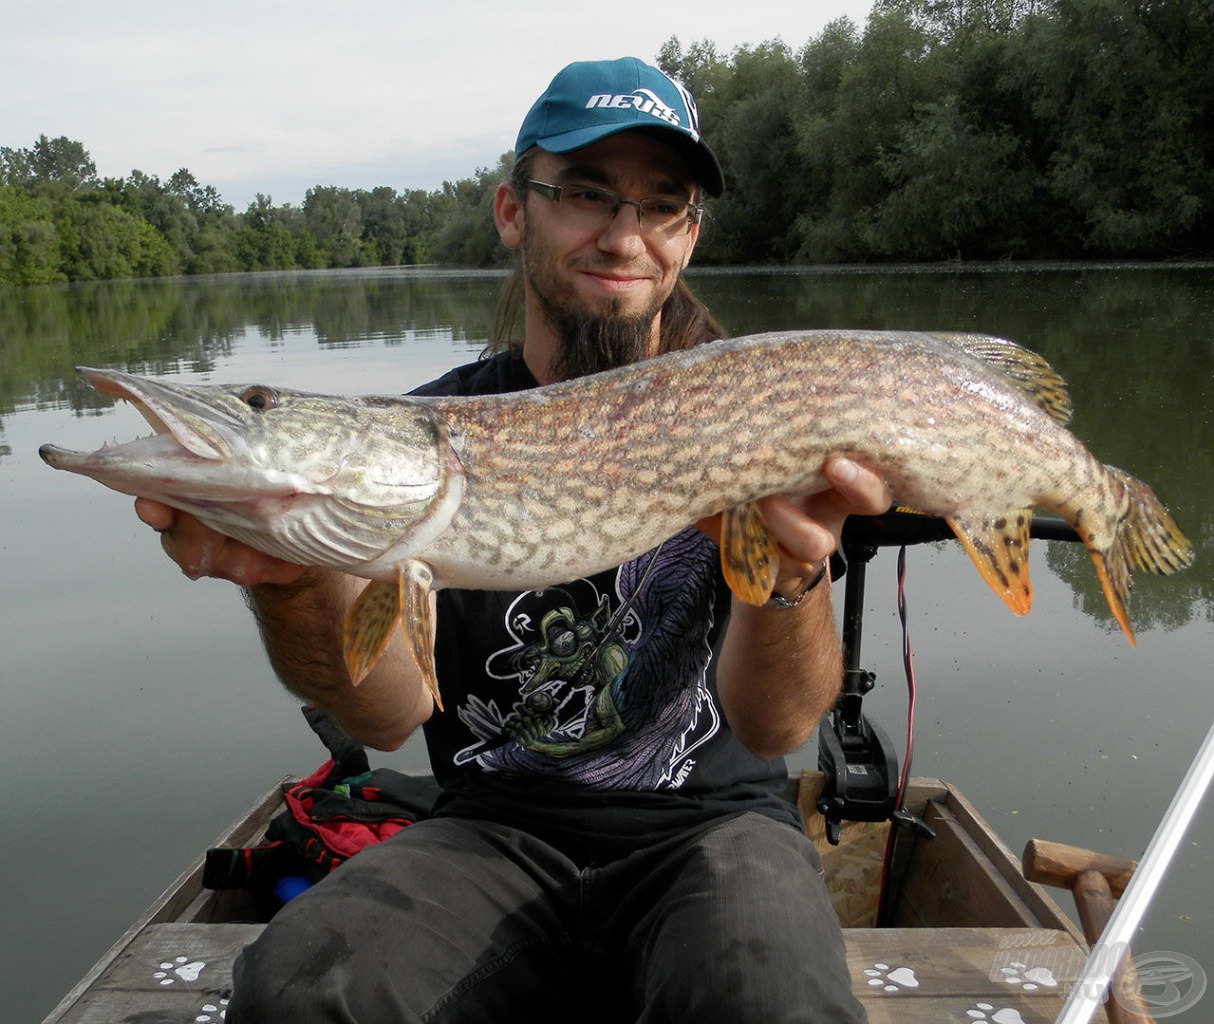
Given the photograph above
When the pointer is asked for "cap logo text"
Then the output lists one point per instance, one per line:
(644, 100)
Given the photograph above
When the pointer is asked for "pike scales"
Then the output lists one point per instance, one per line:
(538, 487)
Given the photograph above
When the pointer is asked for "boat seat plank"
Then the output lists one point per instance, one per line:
(963, 974)
(169, 973)
(183, 972)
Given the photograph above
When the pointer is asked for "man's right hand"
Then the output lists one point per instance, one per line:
(200, 551)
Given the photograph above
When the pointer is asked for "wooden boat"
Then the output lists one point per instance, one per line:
(969, 939)
(964, 936)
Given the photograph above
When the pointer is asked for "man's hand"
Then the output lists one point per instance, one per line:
(199, 551)
(780, 669)
(300, 615)
(809, 528)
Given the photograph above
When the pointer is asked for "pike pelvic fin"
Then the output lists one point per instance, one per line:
(1147, 539)
(750, 556)
(999, 548)
(382, 605)
(416, 582)
(1021, 368)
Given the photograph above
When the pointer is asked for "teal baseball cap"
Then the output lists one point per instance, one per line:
(591, 100)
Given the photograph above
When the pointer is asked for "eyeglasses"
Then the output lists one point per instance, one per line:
(655, 215)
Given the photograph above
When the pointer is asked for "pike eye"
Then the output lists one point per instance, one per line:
(260, 398)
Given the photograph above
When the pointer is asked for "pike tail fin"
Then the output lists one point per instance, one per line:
(999, 548)
(1147, 540)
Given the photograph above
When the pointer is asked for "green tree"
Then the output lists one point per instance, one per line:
(957, 190)
(263, 241)
(29, 252)
(759, 137)
(463, 213)
(382, 217)
(894, 70)
(98, 241)
(1120, 92)
(333, 217)
(60, 159)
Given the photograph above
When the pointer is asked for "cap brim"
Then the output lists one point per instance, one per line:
(700, 159)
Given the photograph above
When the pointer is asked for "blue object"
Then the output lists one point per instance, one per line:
(290, 886)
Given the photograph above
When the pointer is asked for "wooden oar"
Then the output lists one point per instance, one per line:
(1098, 971)
(1095, 880)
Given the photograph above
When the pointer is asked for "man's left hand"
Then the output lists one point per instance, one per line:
(809, 527)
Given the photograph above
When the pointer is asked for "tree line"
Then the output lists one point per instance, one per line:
(967, 129)
(941, 130)
(60, 221)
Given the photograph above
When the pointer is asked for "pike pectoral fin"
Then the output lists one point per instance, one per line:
(750, 556)
(369, 624)
(377, 611)
(999, 548)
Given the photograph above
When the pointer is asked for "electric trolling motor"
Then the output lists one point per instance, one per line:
(856, 755)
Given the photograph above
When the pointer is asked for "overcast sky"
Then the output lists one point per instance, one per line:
(275, 97)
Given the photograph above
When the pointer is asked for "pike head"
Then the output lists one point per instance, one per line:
(354, 484)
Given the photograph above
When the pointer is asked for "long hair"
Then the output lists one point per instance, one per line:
(686, 321)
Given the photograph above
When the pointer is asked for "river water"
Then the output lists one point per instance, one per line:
(139, 714)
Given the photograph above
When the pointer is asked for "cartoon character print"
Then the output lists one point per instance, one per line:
(608, 690)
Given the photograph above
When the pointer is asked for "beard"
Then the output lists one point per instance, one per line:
(590, 340)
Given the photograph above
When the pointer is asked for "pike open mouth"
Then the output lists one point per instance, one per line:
(154, 401)
(179, 431)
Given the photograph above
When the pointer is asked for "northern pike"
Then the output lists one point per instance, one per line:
(525, 490)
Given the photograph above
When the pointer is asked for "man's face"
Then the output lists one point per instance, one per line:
(600, 287)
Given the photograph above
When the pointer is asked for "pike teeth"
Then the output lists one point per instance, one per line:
(113, 442)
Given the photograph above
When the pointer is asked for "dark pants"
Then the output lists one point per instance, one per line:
(459, 921)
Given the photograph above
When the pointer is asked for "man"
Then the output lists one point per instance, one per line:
(611, 840)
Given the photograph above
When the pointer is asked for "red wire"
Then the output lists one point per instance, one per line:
(908, 664)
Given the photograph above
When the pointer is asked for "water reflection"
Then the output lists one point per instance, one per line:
(180, 325)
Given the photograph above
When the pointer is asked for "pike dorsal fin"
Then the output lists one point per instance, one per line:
(750, 556)
(1022, 368)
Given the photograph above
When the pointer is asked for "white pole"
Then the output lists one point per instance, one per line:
(1114, 943)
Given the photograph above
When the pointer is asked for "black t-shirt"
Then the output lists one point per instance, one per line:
(587, 712)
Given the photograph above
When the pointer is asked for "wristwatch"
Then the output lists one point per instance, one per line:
(780, 601)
